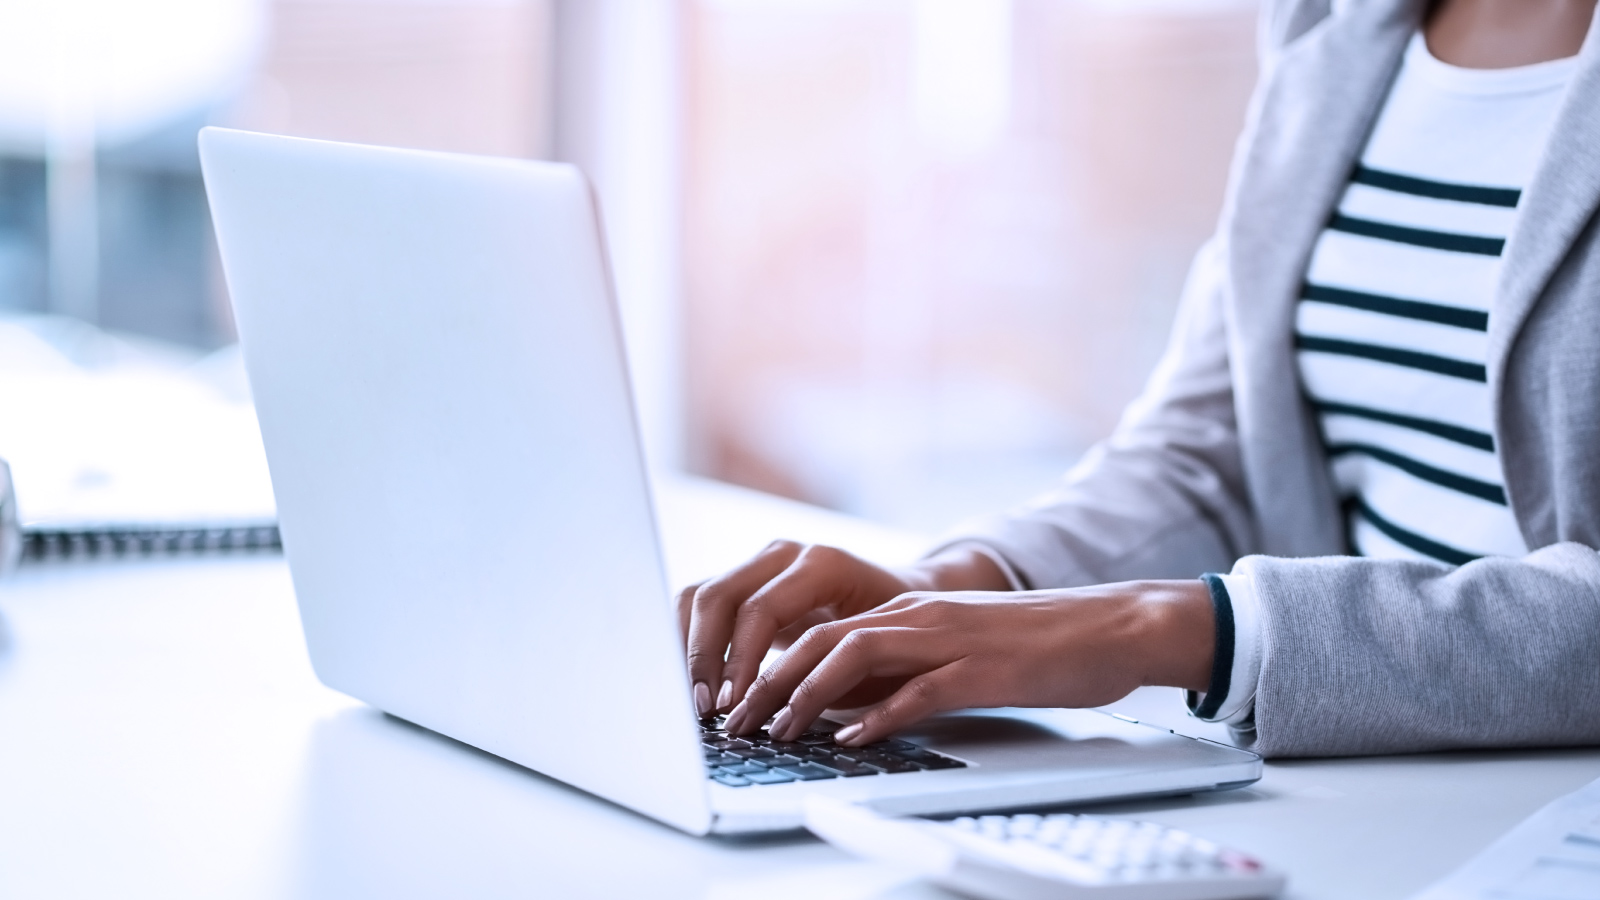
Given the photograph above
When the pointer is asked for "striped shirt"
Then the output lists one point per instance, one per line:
(1392, 324)
(1392, 332)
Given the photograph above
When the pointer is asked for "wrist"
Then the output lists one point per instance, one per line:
(956, 569)
(1178, 634)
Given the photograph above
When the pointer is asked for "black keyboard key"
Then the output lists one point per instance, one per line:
(758, 759)
(893, 766)
(833, 771)
(851, 769)
(865, 756)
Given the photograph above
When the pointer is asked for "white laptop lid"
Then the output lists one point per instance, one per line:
(439, 375)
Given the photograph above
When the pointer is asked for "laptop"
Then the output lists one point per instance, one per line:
(437, 364)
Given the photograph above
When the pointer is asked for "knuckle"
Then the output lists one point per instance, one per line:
(699, 657)
(760, 686)
(805, 693)
(824, 555)
(756, 607)
(708, 594)
(860, 642)
(825, 633)
(923, 693)
(909, 600)
(807, 640)
(781, 545)
(938, 610)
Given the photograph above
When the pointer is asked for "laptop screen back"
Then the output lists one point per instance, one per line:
(438, 370)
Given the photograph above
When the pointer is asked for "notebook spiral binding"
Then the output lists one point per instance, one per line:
(45, 544)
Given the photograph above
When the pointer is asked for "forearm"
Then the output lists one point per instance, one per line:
(1170, 632)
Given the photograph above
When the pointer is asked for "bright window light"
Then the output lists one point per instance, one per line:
(962, 72)
(134, 63)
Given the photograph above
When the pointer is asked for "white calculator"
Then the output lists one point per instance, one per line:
(1031, 857)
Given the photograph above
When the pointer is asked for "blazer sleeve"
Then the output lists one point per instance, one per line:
(1365, 656)
(1164, 496)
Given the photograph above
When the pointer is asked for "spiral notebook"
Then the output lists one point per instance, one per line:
(136, 455)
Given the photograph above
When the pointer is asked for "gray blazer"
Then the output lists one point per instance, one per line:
(1219, 462)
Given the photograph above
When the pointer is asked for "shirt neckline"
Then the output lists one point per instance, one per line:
(1538, 77)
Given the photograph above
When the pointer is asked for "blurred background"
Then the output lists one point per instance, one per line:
(903, 258)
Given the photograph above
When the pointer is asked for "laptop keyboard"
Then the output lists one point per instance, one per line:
(758, 759)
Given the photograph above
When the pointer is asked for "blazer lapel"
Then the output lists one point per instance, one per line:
(1309, 125)
(1555, 208)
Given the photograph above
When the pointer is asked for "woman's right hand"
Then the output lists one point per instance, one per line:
(730, 622)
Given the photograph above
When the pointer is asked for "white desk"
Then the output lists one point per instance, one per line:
(162, 735)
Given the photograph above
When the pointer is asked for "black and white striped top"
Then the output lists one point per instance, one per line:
(1392, 329)
(1392, 325)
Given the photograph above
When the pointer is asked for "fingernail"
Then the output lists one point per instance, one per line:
(725, 696)
(735, 723)
(779, 723)
(702, 699)
(846, 735)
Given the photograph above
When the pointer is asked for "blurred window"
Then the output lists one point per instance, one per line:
(907, 258)
(102, 212)
(932, 247)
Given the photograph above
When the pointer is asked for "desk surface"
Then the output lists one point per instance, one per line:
(161, 734)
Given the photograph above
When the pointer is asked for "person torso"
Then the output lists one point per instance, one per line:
(1391, 330)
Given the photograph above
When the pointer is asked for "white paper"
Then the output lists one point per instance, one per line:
(1553, 855)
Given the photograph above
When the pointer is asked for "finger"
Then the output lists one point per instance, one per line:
(922, 696)
(711, 614)
(771, 689)
(820, 576)
(780, 680)
(862, 654)
(775, 688)
(685, 604)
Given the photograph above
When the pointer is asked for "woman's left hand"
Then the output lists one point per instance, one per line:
(923, 653)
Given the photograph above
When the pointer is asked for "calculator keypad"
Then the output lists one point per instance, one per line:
(1121, 849)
